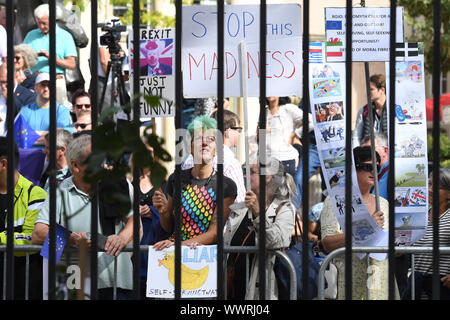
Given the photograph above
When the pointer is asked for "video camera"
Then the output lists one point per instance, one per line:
(112, 36)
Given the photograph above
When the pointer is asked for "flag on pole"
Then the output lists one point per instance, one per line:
(24, 135)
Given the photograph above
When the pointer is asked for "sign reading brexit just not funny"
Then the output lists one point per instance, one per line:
(157, 71)
(242, 25)
(370, 33)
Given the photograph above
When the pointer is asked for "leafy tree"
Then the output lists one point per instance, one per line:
(444, 155)
(419, 14)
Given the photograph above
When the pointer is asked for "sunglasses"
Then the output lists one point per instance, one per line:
(80, 106)
(17, 58)
(81, 125)
(368, 167)
(238, 129)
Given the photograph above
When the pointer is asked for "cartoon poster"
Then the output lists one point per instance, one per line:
(198, 272)
(327, 92)
(411, 162)
(157, 71)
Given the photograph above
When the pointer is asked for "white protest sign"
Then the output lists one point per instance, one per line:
(283, 52)
(411, 161)
(370, 33)
(198, 272)
(157, 71)
(327, 94)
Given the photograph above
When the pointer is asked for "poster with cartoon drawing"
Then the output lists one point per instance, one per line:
(411, 161)
(198, 272)
(330, 87)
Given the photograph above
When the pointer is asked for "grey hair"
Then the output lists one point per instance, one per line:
(42, 11)
(444, 181)
(29, 55)
(379, 136)
(63, 138)
(282, 185)
(77, 150)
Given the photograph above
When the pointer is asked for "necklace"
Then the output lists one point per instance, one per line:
(209, 178)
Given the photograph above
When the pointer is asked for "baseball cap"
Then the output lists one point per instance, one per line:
(42, 77)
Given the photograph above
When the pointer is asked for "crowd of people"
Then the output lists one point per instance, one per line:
(199, 225)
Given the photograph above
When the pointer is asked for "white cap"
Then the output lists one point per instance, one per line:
(109, 21)
(42, 77)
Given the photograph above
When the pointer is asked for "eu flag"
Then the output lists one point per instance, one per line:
(60, 243)
(25, 136)
(333, 25)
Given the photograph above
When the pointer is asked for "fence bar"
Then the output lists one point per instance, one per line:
(305, 150)
(262, 146)
(391, 144)
(52, 162)
(9, 294)
(436, 147)
(136, 119)
(94, 117)
(340, 251)
(219, 147)
(348, 151)
(179, 104)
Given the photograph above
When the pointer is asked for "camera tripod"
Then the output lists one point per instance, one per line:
(117, 82)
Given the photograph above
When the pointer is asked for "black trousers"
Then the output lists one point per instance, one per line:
(424, 283)
(35, 277)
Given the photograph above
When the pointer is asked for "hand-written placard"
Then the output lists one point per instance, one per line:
(370, 33)
(241, 24)
(157, 70)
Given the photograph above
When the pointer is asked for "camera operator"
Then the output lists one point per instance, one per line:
(109, 43)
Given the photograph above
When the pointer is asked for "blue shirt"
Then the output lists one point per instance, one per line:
(39, 118)
(65, 47)
(383, 181)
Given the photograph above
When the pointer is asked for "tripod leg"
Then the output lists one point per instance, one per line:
(105, 84)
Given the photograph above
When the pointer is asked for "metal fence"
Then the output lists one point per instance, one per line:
(179, 100)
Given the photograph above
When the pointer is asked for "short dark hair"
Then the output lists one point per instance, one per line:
(230, 119)
(378, 80)
(79, 93)
(362, 154)
(4, 151)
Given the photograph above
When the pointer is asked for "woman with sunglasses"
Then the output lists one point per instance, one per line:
(24, 59)
(369, 276)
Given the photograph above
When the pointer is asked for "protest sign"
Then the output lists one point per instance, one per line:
(283, 52)
(370, 33)
(198, 272)
(157, 71)
(411, 161)
(327, 92)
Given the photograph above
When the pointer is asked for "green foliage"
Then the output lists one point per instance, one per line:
(79, 3)
(106, 164)
(444, 143)
(419, 14)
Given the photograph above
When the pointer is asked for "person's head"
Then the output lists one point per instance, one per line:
(81, 100)
(444, 187)
(278, 100)
(4, 158)
(377, 87)
(77, 153)
(381, 146)
(279, 184)
(63, 139)
(231, 127)
(364, 167)
(84, 121)
(3, 17)
(41, 14)
(42, 86)
(203, 131)
(24, 57)
(154, 48)
(4, 79)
